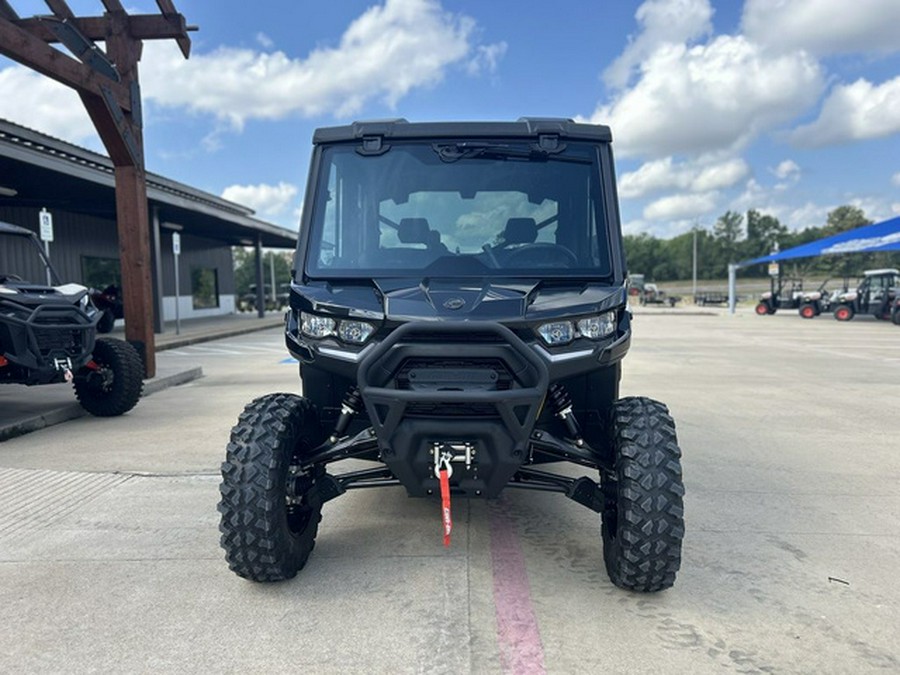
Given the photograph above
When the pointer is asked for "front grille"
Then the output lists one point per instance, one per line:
(49, 340)
(432, 410)
(503, 381)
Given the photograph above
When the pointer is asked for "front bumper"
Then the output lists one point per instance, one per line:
(431, 387)
(41, 344)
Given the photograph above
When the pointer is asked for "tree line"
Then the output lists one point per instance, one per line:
(736, 237)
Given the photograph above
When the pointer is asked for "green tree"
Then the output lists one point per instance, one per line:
(844, 218)
(728, 231)
(245, 269)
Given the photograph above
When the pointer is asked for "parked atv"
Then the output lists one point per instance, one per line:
(780, 296)
(48, 335)
(458, 309)
(109, 302)
(874, 294)
(812, 304)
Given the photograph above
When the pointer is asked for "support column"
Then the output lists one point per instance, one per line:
(260, 284)
(159, 323)
(134, 253)
(732, 287)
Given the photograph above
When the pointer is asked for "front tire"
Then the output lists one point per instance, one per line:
(112, 384)
(642, 523)
(844, 313)
(808, 311)
(270, 510)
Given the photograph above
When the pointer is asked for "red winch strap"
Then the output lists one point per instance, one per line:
(445, 505)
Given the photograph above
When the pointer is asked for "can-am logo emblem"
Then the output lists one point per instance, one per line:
(454, 303)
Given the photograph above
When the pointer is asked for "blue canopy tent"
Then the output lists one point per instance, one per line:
(883, 236)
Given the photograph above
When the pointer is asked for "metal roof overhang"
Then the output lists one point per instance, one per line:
(48, 172)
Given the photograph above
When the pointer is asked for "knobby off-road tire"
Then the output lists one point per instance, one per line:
(115, 386)
(643, 520)
(270, 513)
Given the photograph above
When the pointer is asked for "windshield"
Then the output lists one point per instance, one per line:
(459, 209)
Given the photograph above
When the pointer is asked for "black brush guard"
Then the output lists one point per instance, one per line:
(472, 390)
(48, 337)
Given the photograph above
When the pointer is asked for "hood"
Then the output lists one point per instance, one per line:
(31, 294)
(464, 299)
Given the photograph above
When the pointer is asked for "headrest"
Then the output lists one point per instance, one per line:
(413, 231)
(520, 231)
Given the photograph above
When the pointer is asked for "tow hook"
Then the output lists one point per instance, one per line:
(65, 365)
(445, 453)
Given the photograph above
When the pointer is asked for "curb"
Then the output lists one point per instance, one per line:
(71, 411)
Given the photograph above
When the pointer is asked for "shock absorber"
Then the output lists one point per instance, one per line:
(349, 407)
(562, 404)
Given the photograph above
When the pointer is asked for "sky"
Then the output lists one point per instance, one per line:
(789, 107)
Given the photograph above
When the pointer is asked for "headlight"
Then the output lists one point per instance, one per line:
(597, 327)
(350, 331)
(557, 333)
(355, 332)
(316, 326)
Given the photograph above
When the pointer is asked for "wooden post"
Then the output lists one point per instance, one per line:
(134, 252)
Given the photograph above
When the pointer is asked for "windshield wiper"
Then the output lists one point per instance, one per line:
(453, 152)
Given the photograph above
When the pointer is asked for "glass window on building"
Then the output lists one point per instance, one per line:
(101, 273)
(205, 287)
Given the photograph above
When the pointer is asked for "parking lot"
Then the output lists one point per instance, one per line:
(109, 556)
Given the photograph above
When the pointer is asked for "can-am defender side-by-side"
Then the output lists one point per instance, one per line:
(48, 335)
(458, 309)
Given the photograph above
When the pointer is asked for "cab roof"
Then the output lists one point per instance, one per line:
(524, 127)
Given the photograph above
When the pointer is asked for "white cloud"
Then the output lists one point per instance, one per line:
(661, 21)
(45, 105)
(895, 179)
(824, 27)
(681, 206)
(385, 53)
(711, 97)
(786, 170)
(266, 200)
(264, 40)
(696, 176)
(487, 58)
(895, 208)
(854, 112)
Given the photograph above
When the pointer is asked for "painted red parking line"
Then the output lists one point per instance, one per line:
(518, 636)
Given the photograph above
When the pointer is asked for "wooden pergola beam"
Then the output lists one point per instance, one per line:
(29, 50)
(140, 27)
(60, 8)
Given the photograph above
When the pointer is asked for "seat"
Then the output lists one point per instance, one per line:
(413, 231)
(519, 231)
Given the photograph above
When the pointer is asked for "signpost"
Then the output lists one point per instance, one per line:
(176, 251)
(46, 221)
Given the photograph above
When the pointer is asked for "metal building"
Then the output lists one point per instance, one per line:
(76, 186)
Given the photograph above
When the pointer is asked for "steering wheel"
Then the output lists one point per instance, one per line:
(541, 255)
(490, 255)
(10, 277)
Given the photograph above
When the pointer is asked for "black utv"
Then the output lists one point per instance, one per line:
(458, 309)
(48, 332)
